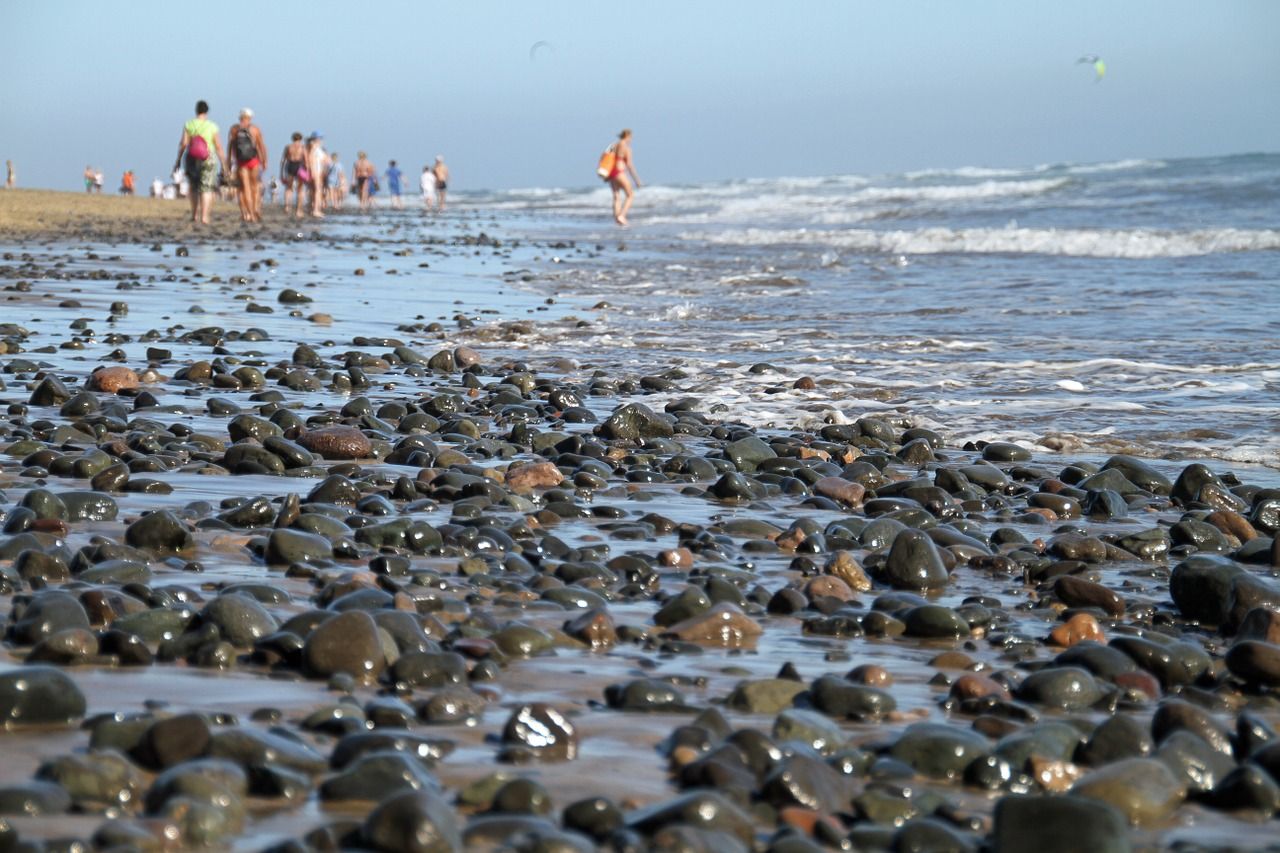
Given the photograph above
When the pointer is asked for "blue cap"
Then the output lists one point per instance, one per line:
(315, 134)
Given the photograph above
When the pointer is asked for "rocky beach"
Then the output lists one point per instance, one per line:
(369, 535)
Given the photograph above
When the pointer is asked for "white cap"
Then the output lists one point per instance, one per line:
(247, 112)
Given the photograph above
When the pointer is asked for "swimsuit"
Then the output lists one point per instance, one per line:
(251, 165)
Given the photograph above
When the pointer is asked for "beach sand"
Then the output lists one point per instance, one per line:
(54, 215)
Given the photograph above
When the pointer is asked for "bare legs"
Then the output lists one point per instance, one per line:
(622, 198)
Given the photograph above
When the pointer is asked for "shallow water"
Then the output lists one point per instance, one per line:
(1108, 307)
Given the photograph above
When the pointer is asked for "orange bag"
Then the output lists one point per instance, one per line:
(607, 161)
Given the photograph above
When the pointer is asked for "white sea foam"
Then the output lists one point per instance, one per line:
(1076, 242)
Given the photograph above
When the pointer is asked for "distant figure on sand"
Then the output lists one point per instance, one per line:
(427, 183)
(363, 172)
(250, 152)
(10, 178)
(88, 179)
(200, 143)
(334, 182)
(157, 188)
(318, 165)
(441, 171)
(623, 194)
(126, 183)
(98, 181)
(394, 175)
(293, 172)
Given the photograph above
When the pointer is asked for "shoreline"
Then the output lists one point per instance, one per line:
(503, 560)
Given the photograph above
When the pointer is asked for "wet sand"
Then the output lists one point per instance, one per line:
(678, 605)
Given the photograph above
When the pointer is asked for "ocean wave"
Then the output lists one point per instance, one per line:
(975, 172)
(1114, 166)
(1075, 242)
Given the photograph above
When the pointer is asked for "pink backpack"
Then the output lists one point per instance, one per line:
(197, 148)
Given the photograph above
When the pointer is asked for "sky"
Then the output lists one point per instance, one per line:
(713, 89)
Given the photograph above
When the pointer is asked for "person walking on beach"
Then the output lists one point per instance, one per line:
(394, 175)
(363, 172)
(126, 183)
(200, 143)
(427, 183)
(88, 179)
(318, 166)
(10, 178)
(441, 171)
(247, 147)
(98, 181)
(623, 193)
(293, 172)
(333, 181)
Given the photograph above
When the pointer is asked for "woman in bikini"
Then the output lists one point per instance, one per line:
(623, 194)
(244, 141)
(293, 162)
(364, 171)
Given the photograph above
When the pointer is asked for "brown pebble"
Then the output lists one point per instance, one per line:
(1078, 592)
(842, 491)
(871, 674)
(337, 442)
(1077, 629)
(1141, 681)
(843, 566)
(676, 558)
(828, 586)
(113, 379)
(973, 685)
(523, 479)
(804, 383)
(1233, 524)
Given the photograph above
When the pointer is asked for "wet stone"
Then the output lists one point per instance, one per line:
(240, 619)
(1049, 824)
(159, 531)
(348, 643)
(913, 563)
(39, 695)
(1065, 687)
(377, 776)
(412, 822)
(544, 730)
(1142, 789)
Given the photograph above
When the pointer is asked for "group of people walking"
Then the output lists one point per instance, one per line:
(307, 171)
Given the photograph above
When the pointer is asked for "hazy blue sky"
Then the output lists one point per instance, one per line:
(730, 88)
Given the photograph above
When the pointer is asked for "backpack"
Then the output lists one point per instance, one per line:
(607, 161)
(197, 148)
(246, 149)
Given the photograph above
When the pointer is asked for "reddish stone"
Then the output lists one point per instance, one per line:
(676, 558)
(539, 475)
(1077, 629)
(1232, 524)
(840, 490)
(828, 586)
(973, 685)
(1141, 681)
(113, 379)
(337, 442)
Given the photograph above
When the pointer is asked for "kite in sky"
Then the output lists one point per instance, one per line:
(1099, 67)
(545, 46)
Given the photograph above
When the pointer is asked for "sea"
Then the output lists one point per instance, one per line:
(1092, 308)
